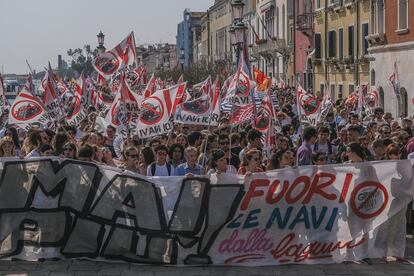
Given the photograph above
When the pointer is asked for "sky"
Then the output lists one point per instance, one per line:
(40, 30)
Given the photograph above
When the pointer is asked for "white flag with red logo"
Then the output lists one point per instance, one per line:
(204, 110)
(125, 107)
(76, 105)
(326, 105)
(393, 78)
(27, 109)
(151, 86)
(50, 98)
(156, 111)
(308, 105)
(265, 123)
(110, 62)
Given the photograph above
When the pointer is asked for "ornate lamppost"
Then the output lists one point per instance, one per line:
(238, 28)
(101, 39)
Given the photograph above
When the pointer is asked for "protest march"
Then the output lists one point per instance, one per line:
(124, 166)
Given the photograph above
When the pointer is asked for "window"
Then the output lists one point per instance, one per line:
(402, 14)
(341, 43)
(404, 101)
(318, 45)
(333, 92)
(377, 17)
(332, 43)
(322, 87)
(340, 91)
(364, 41)
(270, 21)
(283, 22)
(277, 21)
(381, 97)
(351, 88)
(372, 77)
(351, 41)
(318, 4)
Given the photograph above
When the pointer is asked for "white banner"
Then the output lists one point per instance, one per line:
(53, 208)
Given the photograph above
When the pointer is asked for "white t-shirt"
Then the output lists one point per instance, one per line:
(159, 170)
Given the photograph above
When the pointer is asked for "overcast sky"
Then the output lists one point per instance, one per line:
(39, 30)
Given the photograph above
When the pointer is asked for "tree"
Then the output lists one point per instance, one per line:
(82, 59)
(196, 72)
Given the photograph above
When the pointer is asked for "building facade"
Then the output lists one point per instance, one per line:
(303, 43)
(271, 28)
(185, 31)
(341, 47)
(391, 40)
(220, 20)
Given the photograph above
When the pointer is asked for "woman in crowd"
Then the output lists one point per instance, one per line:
(212, 144)
(251, 162)
(46, 150)
(12, 133)
(107, 157)
(176, 155)
(146, 158)
(219, 163)
(392, 152)
(319, 158)
(355, 153)
(7, 148)
(59, 141)
(287, 158)
(182, 140)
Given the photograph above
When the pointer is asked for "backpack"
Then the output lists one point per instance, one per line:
(154, 167)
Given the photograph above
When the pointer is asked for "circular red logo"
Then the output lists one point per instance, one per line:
(73, 107)
(369, 199)
(199, 106)
(309, 104)
(152, 111)
(26, 110)
(107, 63)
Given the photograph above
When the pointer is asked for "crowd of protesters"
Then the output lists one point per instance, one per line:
(342, 137)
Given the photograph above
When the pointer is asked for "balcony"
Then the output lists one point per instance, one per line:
(304, 22)
(268, 48)
(349, 3)
(376, 39)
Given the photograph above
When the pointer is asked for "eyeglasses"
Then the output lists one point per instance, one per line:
(161, 153)
(134, 155)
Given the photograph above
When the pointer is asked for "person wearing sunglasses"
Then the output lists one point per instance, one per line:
(160, 167)
(251, 162)
(319, 158)
(131, 157)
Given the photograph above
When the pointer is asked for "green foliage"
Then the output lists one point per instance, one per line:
(197, 72)
(82, 59)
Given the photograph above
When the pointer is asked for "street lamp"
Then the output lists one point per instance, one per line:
(237, 32)
(101, 38)
(237, 7)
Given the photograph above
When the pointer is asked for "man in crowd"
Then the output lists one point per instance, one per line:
(189, 168)
(160, 167)
(304, 153)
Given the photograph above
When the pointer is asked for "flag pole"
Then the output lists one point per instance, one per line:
(209, 123)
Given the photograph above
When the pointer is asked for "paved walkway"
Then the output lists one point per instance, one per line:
(91, 268)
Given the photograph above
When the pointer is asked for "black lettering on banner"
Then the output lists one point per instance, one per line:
(119, 219)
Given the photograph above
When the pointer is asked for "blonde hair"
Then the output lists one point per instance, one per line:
(3, 141)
